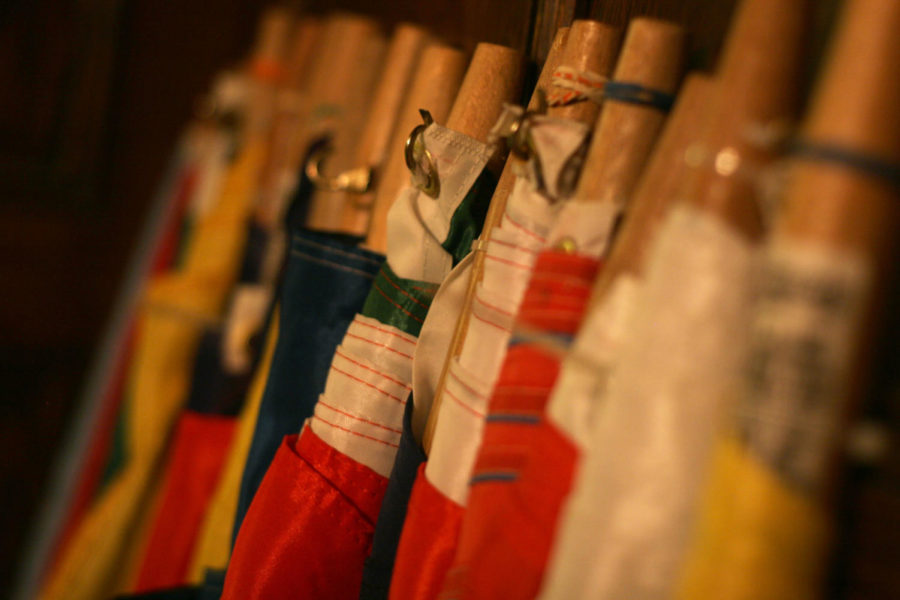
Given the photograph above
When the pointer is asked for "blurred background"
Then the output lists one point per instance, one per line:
(93, 95)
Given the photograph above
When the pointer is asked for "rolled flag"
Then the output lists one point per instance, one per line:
(765, 528)
(638, 480)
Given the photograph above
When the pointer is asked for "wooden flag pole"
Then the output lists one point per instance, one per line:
(493, 78)
(289, 110)
(591, 46)
(652, 56)
(372, 150)
(759, 71)
(837, 205)
(266, 68)
(594, 47)
(659, 184)
(318, 99)
(341, 94)
(434, 86)
(301, 51)
(507, 177)
(272, 41)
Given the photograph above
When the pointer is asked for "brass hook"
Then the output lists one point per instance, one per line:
(420, 161)
(355, 181)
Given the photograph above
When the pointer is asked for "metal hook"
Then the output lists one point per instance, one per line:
(420, 161)
(514, 126)
(355, 181)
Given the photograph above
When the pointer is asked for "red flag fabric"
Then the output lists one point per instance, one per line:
(428, 542)
(199, 448)
(90, 475)
(524, 468)
(309, 528)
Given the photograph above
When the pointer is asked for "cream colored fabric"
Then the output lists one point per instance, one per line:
(584, 374)
(417, 223)
(639, 479)
(360, 413)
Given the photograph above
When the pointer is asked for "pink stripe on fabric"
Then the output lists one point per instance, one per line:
(491, 323)
(362, 435)
(524, 229)
(374, 343)
(508, 262)
(404, 292)
(387, 331)
(511, 245)
(464, 405)
(492, 307)
(362, 381)
(389, 299)
(358, 418)
(466, 385)
(377, 372)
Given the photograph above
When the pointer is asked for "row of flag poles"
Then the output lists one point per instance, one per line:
(390, 334)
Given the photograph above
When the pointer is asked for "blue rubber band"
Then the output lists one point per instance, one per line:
(866, 163)
(635, 93)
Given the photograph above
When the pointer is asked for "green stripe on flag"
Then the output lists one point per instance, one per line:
(401, 303)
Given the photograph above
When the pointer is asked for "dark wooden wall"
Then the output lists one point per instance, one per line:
(529, 25)
(93, 94)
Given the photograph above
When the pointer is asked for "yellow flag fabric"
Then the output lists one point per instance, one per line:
(175, 310)
(130, 561)
(213, 545)
(758, 536)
